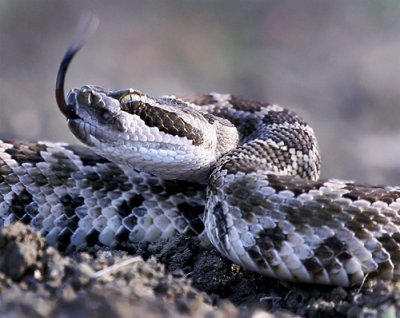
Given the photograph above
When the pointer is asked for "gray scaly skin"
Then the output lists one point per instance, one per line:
(158, 166)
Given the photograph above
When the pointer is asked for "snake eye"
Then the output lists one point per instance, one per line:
(130, 102)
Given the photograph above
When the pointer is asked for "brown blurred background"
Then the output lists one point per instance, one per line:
(335, 62)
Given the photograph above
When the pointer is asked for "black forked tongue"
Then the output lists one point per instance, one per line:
(87, 25)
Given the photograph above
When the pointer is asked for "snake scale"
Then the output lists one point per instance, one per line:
(239, 173)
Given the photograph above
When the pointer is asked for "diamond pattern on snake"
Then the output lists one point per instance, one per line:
(239, 173)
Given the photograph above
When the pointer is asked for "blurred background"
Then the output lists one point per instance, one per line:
(334, 62)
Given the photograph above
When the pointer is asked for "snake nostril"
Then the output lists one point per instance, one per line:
(104, 115)
(71, 109)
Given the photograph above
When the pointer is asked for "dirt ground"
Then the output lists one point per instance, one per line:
(177, 278)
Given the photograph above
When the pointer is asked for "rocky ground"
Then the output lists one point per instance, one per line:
(169, 279)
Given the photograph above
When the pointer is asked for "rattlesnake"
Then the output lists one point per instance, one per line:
(240, 173)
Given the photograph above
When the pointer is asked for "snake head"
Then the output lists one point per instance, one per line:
(163, 136)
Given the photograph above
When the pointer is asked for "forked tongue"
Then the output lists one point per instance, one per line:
(87, 25)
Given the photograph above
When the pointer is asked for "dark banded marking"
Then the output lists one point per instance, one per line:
(126, 207)
(284, 116)
(18, 205)
(370, 193)
(193, 214)
(166, 121)
(247, 105)
(93, 237)
(26, 152)
(200, 99)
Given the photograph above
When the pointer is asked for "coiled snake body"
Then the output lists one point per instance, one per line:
(160, 166)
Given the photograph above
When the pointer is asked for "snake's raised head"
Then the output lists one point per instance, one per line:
(164, 136)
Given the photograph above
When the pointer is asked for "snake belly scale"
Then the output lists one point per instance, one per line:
(241, 174)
